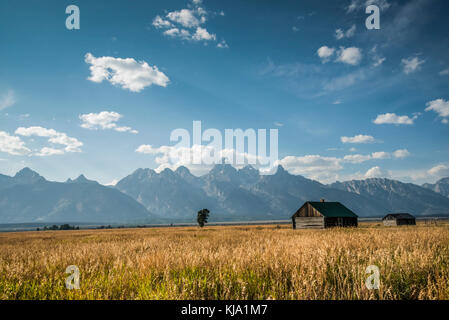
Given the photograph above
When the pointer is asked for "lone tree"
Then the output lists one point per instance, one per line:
(202, 217)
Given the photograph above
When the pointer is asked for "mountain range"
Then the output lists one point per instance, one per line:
(28, 197)
(231, 194)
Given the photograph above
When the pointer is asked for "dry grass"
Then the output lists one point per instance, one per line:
(265, 262)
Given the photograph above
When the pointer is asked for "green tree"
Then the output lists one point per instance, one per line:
(202, 217)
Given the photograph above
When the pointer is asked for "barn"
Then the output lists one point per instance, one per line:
(399, 219)
(323, 215)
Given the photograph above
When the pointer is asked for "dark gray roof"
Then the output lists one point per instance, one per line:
(332, 209)
(399, 216)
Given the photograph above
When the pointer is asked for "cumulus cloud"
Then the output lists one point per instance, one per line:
(351, 55)
(358, 139)
(184, 17)
(70, 144)
(203, 34)
(439, 171)
(444, 72)
(45, 152)
(313, 166)
(380, 155)
(188, 24)
(12, 145)
(325, 53)
(376, 172)
(340, 34)
(158, 22)
(401, 153)
(392, 118)
(357, 158)
(104, 120)
(126, 73)
(411, 65)
(7, 99)
(441, 107)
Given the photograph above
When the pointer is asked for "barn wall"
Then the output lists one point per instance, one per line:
(406, 222)
(390, 223)
(340, 222)
(309, 222)
(308, 211)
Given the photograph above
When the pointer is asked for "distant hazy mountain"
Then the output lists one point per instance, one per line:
(441, 186)
(398, 196)
(233, 194)
(28, 197)
(230, 194)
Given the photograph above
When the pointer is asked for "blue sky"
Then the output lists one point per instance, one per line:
(349, 103)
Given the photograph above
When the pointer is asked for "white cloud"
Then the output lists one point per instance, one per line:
(175, 32)
(127, 73)
(44, 152)
(444, 72)
(7, 99)
(392, 118)
(325, 53)
(55, 137)
(357, 158)
(362, 4)
(12, 145)
(380, 155)
(358, 139)
(340, 34)
(112, 183)
(351, 55)
(441, 107)
(411, 65)
(222, 44)
(203, 34)
(440, 171)
(378, 61)
(158, 22)
(401, 153)
(376, 172)
(104, 120)
(187, 24)
(184, 17)
(173, 157)
(313, 166)
(338, 101)
(360, 158)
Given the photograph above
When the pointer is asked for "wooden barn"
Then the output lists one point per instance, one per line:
(323, 215)
(399, 219)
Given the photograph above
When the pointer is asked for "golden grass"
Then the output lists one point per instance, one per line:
(251, 262)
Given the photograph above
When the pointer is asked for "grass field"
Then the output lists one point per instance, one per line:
(251, 262)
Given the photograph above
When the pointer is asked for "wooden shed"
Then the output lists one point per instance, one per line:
(399, 219)
(323, 215)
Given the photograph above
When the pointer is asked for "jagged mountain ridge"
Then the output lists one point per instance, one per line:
(244, 194)
(28, 197)
(398, 196)
(441, 186)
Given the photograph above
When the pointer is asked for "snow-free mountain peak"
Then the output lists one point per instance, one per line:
(26, 175)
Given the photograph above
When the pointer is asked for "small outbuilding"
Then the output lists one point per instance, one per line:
(323, 215)
(399, 219)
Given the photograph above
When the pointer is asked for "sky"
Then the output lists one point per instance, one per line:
(103, 100)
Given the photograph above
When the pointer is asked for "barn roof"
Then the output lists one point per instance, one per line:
(399, 216)
(333, 209)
